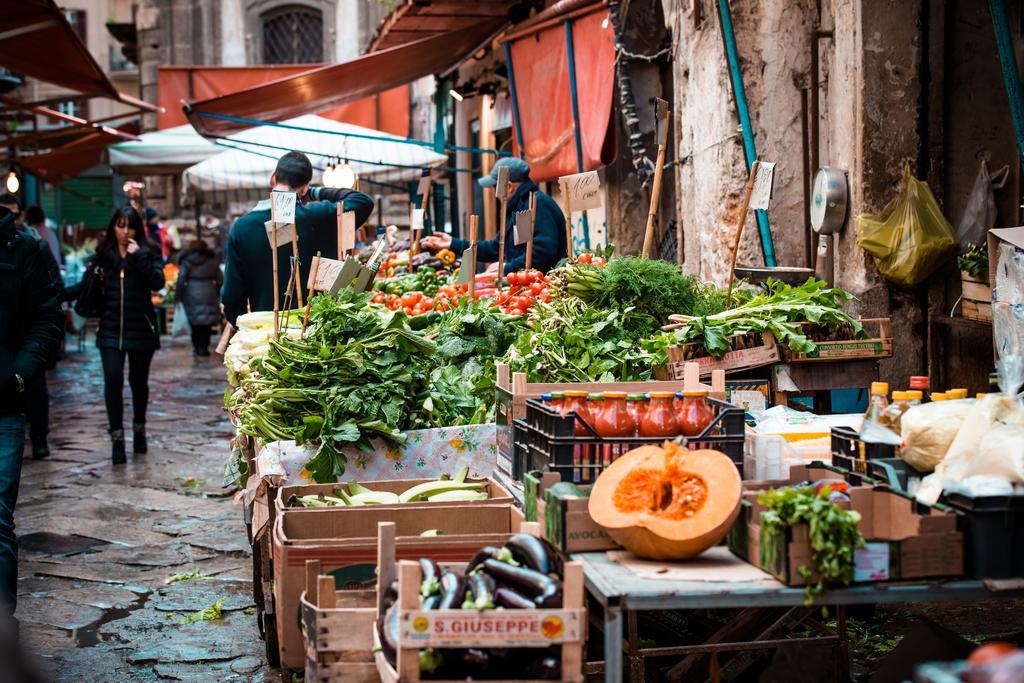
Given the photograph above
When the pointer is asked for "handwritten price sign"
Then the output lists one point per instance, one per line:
(584, 190)
(764, 178)
(284, 233)
(326, 273)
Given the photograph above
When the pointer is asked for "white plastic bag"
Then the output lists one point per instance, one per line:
(980, 213)
(929, 429)
(180, 328)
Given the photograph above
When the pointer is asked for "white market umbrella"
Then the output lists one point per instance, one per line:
(168, 151)
(249, 157)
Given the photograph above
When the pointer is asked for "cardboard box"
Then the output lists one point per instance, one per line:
(344, 540)
(904, 540)
(565, 518)
(496, 492)
(877, 346)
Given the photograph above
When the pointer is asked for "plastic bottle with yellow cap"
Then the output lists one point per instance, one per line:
(878, 401)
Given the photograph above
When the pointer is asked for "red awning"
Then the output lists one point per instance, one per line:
(387, 112)
(415, 19)
(36, 40)
(331, 86)
(71, 159)
(541, 68)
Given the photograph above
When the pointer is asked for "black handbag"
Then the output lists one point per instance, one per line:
(92, 300)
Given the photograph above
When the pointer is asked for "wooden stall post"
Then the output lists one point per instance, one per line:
(739, 227)
(568, 219)
(312, 289)
(273, 251)
(474, 229)
(533, 224)
(502, 192)
(662, 115)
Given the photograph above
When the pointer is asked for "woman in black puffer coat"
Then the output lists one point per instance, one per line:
(198, 289)
(132, 271)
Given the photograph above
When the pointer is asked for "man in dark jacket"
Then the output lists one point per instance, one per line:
(549, 245)
(248, 272)
(30, 332)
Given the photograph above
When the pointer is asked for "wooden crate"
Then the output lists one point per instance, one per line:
(976, 298)
(760, 350)
(337, 627)
(877, 346)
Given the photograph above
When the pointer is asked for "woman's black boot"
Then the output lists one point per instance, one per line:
(117, 451)
(139, 446)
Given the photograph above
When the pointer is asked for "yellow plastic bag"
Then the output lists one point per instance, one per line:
(911, 238)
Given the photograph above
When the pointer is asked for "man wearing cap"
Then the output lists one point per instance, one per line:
(549, 245)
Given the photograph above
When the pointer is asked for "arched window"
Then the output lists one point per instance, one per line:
(292, 34)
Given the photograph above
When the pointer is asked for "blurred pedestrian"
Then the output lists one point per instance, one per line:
(156, 232)
(31, 326)
(131, 271)
(198, 289)
(35, 219)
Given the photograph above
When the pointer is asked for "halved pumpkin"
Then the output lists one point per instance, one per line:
(667, 503)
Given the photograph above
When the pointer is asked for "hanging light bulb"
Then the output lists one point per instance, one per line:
(12, 183)
(345, 177)
(328, 179)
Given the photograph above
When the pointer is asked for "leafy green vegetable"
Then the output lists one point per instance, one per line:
(185, 576)
(211, 613)
(832, 531)
(653, 289)
(974, 260)
(568, 341)
(777, 308)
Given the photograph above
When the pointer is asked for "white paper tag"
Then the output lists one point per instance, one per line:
(284, 206)
(326, 274)
(284, 233)
(761, 194)
(501, 189)
(523, 228)
(417, 221)
(584, 190)
(348, 232)
(467, 267)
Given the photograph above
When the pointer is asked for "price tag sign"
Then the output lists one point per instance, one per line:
(326, 273)
(348, 232)
(501, 189)
(417, 221)
(283, 206)
(284, 233)
(424, 185)
(348, 272)
(584, 190)
(764, 179)
(467, 269)
(490, 628)
(523, 228)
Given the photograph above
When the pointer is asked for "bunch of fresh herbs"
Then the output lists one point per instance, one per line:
(832, 531)
(974, 260)
(778, 308)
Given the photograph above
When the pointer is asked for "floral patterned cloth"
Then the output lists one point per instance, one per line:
(426, 454)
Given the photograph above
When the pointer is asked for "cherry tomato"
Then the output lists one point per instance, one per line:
(584, 257)
(597, 261)
(394, 305)
(427, 302)
(412, 298)
(536, 288)
(545, 296)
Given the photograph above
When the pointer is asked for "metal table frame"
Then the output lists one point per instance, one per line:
(621, 593)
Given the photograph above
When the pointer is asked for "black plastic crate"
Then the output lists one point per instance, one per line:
(553, 445)
(849, 452)
(994, 541)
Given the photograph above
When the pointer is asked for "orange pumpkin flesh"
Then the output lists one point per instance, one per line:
(667, 503)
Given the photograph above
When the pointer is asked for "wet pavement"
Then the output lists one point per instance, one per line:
(101, 545)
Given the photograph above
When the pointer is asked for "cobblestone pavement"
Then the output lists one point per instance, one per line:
(98, 544)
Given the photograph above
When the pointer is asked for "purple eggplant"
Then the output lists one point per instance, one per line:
(387, 629)
(482, 586)
(535, 553)
(431, 580)
(453, 590)
(544, 590)
(507, 597)
(547, 667)
(489, 552)
(391, 594)
(430, 602)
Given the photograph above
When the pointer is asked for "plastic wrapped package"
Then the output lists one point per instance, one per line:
(1010, 274)
(929, 429)
(911, 238)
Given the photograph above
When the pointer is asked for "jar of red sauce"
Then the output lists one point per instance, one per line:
(615, 418)
(557, 399)
(636, 404)
(576, 402)
(693, 414)
(660, 417)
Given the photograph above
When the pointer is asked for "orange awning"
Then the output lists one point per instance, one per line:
(72, 159)
(540, 65)
(36, 40)
(415, 20)
(387, 112)
(323, 88)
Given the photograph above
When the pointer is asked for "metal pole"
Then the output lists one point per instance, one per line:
(740, 95)
(1011, 76)
(515, 98)
(578, 135)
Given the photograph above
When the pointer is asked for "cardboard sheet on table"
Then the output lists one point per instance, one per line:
(716, 565)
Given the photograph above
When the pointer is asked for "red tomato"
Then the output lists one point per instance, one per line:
(545, 296)
(412, 298)
(514, 311)
(597, 261)
(536, 288)
(584, 257)
(427, 302)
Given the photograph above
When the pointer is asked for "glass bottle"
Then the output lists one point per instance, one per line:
(878, 401)
(693, 414)
(660, 418)
(915, 397)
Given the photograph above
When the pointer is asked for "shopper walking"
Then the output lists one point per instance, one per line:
(35, 219)
(198, 289)
(30, 333)
(130, 268)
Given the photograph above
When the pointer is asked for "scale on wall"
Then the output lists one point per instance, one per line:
(829, 196)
